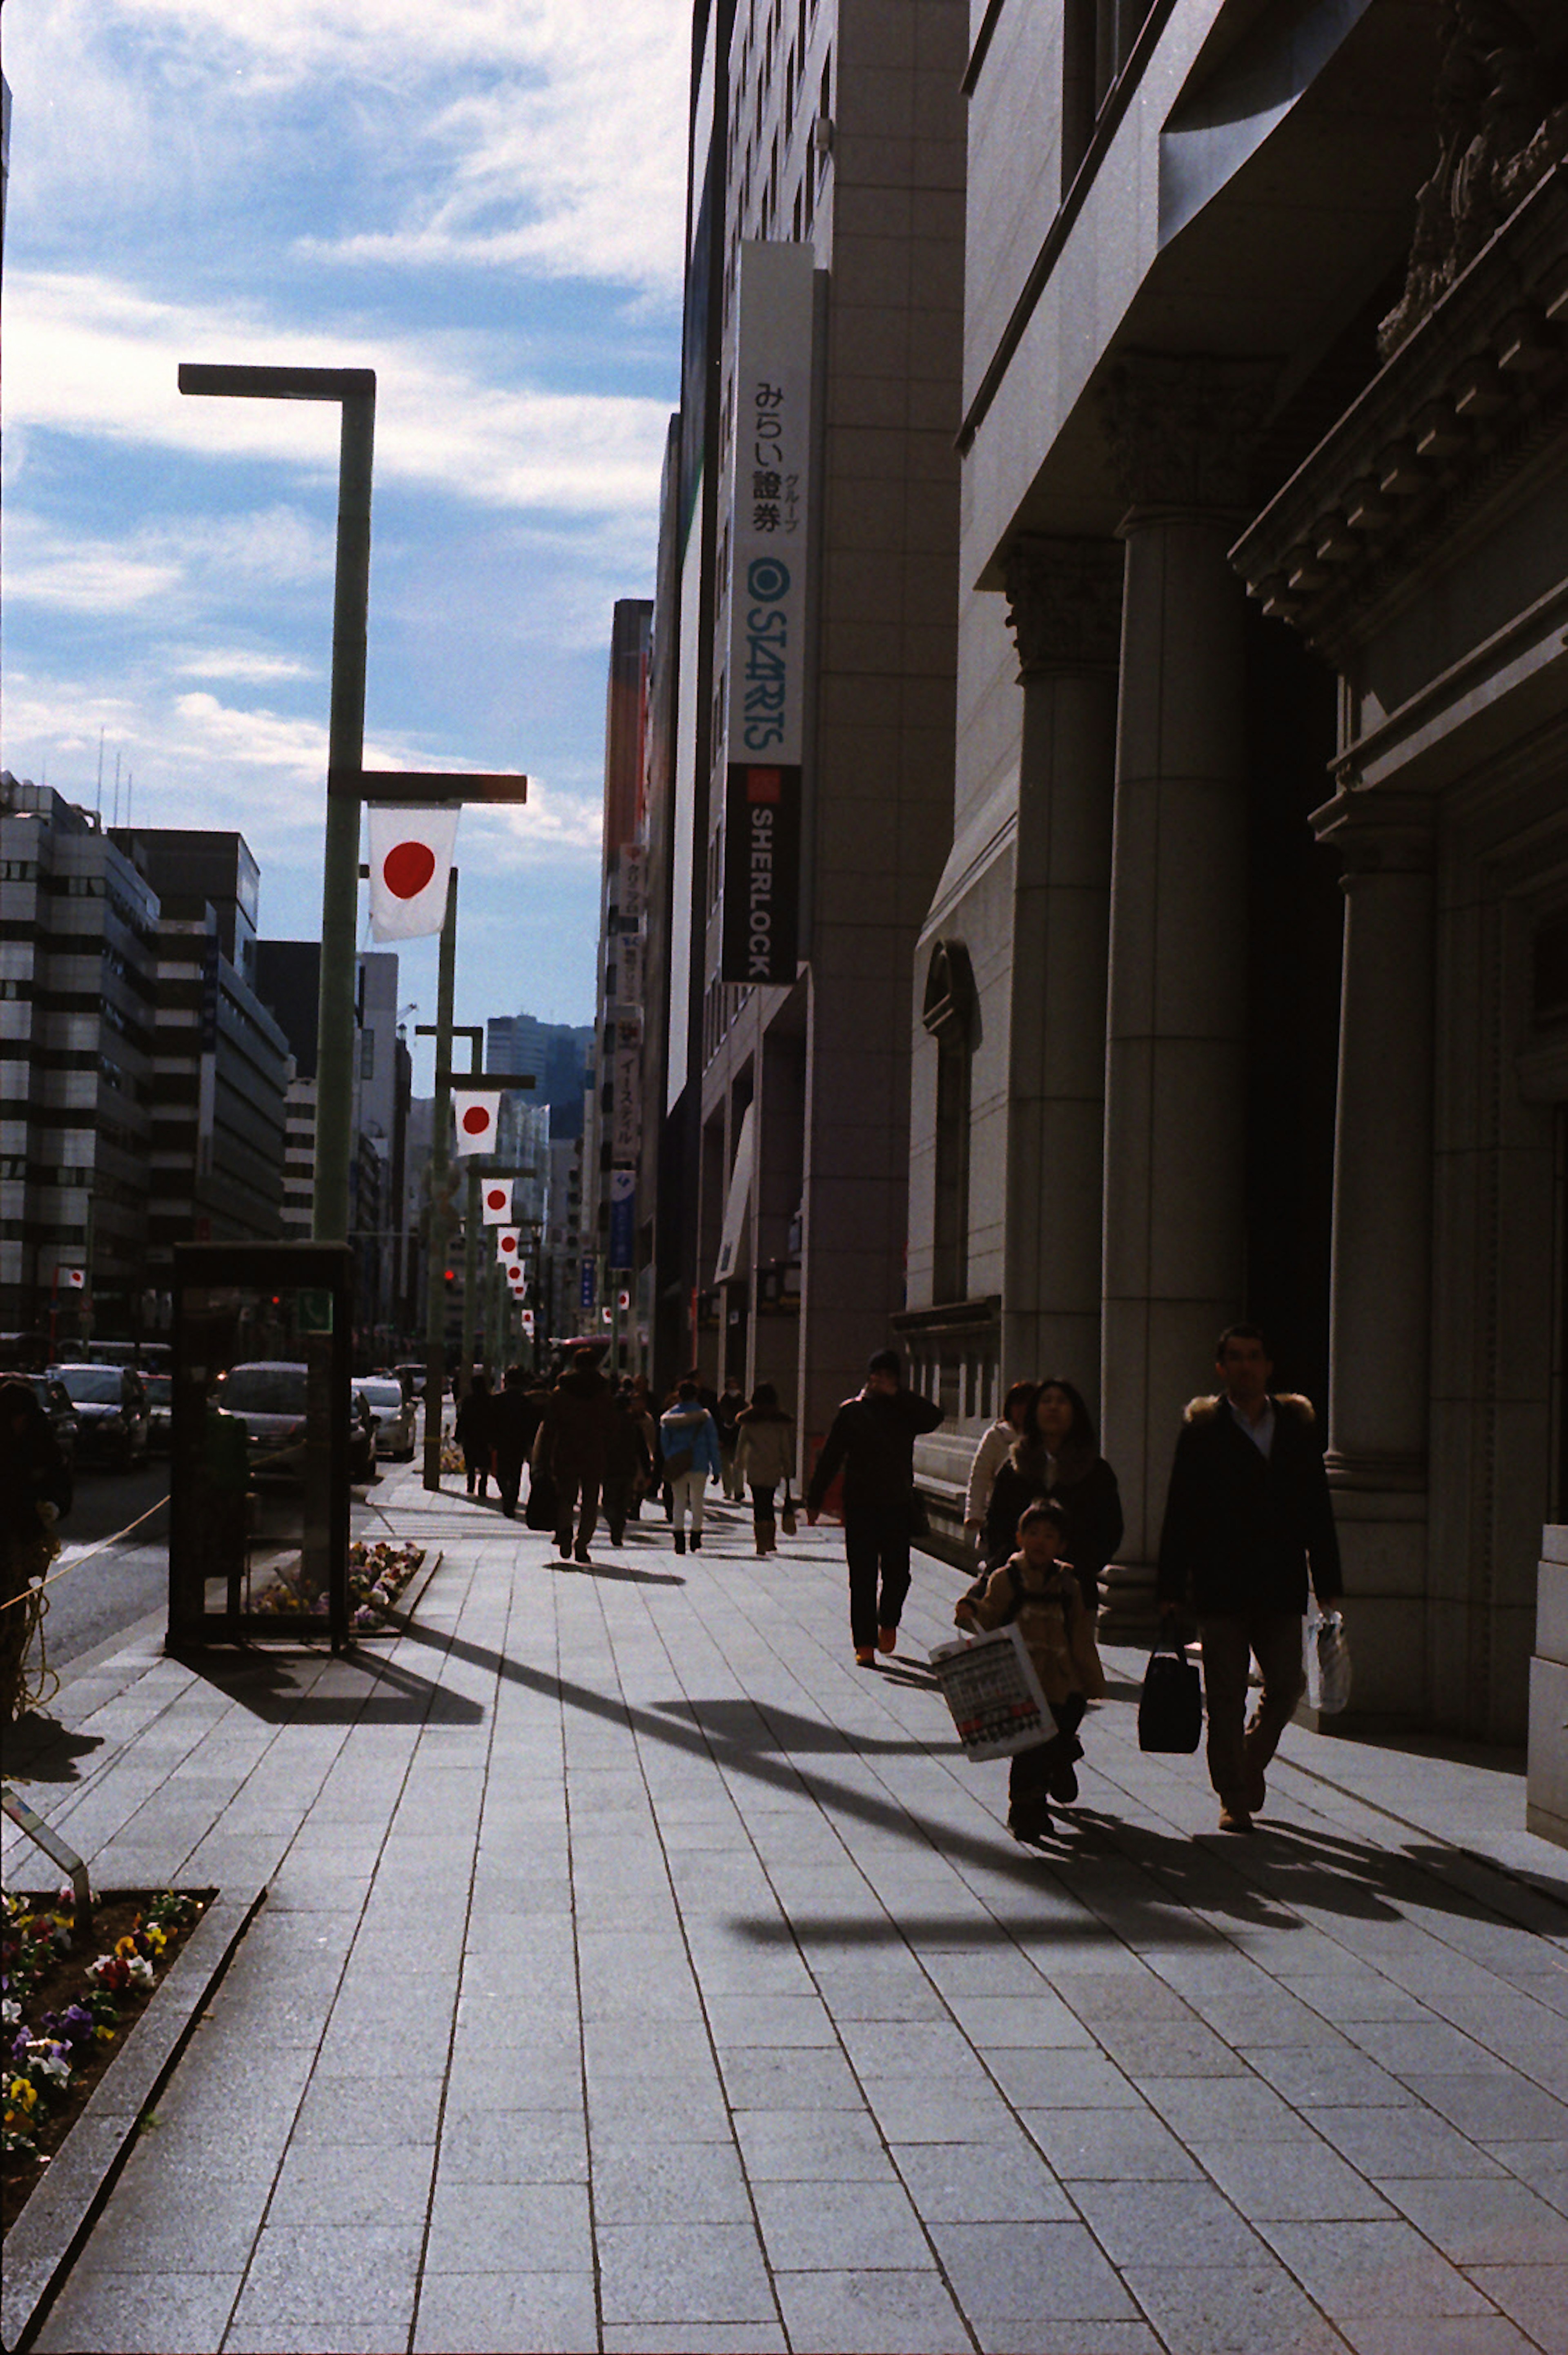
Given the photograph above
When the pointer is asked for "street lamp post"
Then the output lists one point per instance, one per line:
(355, 391)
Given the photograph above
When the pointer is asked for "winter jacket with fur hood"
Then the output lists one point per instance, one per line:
(764, 1446)
(1240, 1526)
(1057, 1629)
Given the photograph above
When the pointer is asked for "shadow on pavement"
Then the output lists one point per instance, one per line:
(751, 1725)
(1197, 1889)
(38, 1749)
(386, 1693)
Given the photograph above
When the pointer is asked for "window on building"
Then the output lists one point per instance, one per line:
(1097, 39)
(950, 1014)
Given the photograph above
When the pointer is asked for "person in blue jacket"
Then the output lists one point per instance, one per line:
(688, 1444)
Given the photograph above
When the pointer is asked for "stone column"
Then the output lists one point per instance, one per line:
(1380, 1300)
(1180, 432)
(1065, 609)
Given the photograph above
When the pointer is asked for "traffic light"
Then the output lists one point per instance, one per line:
(451, 1279)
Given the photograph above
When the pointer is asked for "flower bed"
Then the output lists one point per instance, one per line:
(64, 2015)
(378, 1573)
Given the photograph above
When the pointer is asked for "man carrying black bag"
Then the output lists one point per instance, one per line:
(1247, 1512)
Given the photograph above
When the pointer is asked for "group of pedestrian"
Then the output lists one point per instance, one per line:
(1247, 1522)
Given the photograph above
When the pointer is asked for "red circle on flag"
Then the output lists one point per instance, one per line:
(509, 1243)
(407, 868)
(494, 1199)
(475, 1121)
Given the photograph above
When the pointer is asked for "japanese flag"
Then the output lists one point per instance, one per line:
(496, 1202)
(475, 1112)
(518, 1281)
(507, 1245)
(528, 1323)
(410, 859)
(72, 1279)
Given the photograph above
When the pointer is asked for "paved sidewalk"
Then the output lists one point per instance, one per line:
(638, 1974)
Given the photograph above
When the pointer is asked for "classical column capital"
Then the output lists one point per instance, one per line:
(1064, 603)
(1182, 428)
(1378, 834)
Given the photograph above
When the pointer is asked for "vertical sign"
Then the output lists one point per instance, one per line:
(770, 506)
(590, 1286)
(622, 1216)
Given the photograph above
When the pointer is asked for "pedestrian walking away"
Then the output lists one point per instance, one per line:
(728, 1406)
(1246, 1517)
(989, 1457)
(516, 1415)
(1038, 1587)
(1058, 1455)
(573, 1445)
(627, 1467)
(872, 1443)
(473, 1434)
(764, 1455)
(690, 1444)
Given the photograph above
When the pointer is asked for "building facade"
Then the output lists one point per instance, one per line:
(805, 575)
(1235, 997)
(79, 951)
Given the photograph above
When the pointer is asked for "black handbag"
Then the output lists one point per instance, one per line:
(1170, 1707)
(539, 1512)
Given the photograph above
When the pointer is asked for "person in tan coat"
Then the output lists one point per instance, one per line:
(1042, 1594)
(764, 1455)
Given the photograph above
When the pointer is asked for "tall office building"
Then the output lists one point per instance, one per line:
(79, 951)
(801, 767)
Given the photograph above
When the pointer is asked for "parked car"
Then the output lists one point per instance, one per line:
(111, 1407)
(394, 1413)
(412, 1377)
(268, 1396)
(160, 1389)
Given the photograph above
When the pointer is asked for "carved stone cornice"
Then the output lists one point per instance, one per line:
(1183, 428)
(1502, 105)
(1064, 603)
(1470, 394)
(1378, 834)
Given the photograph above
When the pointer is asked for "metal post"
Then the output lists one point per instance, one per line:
(435, 1271)
(470, 1275)
(340, 878)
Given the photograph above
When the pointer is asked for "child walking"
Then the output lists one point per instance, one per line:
(1043, 1593)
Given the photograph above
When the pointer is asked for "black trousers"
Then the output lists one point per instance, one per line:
(1029, 1771)
(877, 1551)
(762, 1503)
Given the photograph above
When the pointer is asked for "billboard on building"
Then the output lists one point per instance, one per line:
(770, 505)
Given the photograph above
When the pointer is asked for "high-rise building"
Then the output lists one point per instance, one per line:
(801, 768)
(79, 954)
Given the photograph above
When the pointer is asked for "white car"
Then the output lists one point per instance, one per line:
(394, 1415)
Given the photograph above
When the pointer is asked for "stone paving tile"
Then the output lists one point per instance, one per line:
(1167, 2223)
(379, 2111)
(526, 2145)
(506, 2314)
(1403, 2143)
(1543, 2165)
(1475, 2334)
(811, 2146)
(861, 2312)
(1011, 2270)
(121, 2313)
(1535, 2297)
(1494, 2105)
(1483, 2222)
(1120, 2145)
(1294, 2181)
(1240, 2107)
(1231, 2310)
(674, 2273)
(691, 2183)
(736, 2338)
(1330, 2075)
(1372, 2269)
(537, 2227)
(351, 2185)
(982, 2183)
(328, 2285)
(807, 2077)
(828, 2228)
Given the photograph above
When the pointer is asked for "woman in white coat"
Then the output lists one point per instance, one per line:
(1018, 1411)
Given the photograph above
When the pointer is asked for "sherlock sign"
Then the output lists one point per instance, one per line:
(770, 507)
(762, 874)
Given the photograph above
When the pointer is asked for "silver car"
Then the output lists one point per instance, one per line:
(394, 1413)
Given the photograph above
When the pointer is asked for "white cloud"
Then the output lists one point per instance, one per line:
(167, 564)
(88, 356)
(242, 663)
(485, 130)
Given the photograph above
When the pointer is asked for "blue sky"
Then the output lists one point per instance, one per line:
(483, 200)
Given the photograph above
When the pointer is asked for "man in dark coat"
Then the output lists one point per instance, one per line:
(515, 1418)
(574, 1443)
(1247, 1514)
(872, 1440)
